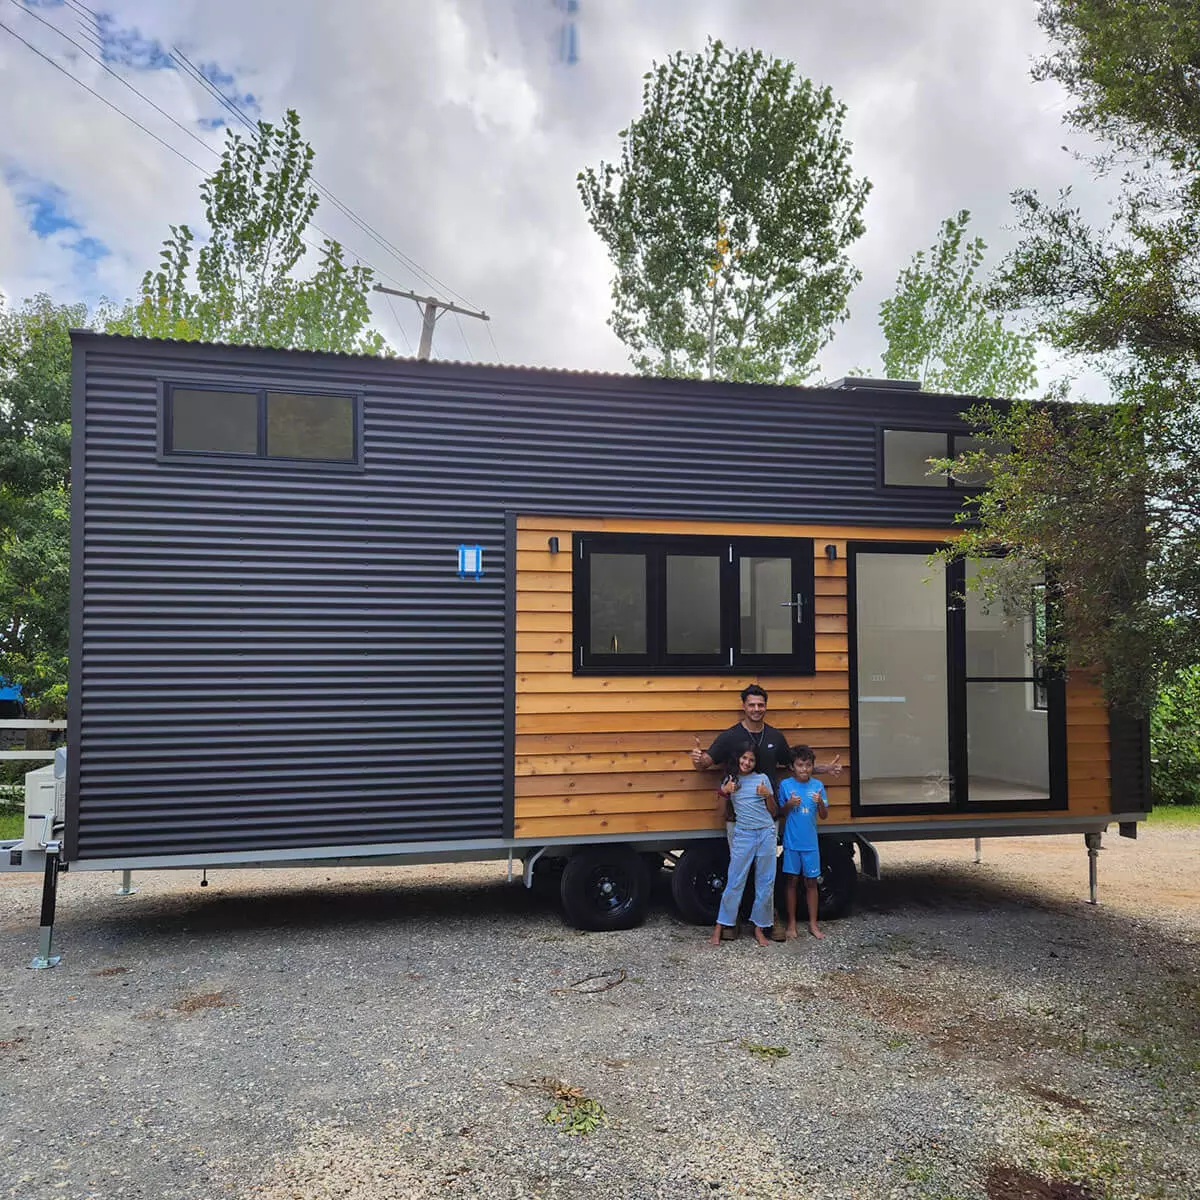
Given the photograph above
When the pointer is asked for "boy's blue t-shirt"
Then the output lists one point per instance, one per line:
(800, 823)
(749, 808)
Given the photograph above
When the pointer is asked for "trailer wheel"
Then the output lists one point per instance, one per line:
(839, 878)
(605, 887)
(699, 879)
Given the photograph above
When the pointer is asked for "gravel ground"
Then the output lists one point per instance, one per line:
(363, 1034)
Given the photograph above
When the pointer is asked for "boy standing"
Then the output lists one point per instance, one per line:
(801, 802)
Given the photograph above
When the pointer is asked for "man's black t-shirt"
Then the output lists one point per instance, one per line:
(771, 745)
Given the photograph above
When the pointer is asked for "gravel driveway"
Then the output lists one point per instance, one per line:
(405, 1032)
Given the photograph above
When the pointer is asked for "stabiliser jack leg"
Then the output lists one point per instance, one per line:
(44, 958)
(1092, 841)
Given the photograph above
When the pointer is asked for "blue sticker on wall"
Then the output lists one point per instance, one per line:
(470, 562)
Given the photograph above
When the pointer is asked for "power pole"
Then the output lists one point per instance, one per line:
(429, 306)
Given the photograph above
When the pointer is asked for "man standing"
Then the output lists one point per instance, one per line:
(772, 746)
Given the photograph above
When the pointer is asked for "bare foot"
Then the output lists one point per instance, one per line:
(793, 932)
(816, 932)
(715, 940)
(760, 937)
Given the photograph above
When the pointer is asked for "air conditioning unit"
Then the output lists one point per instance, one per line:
(45, 802)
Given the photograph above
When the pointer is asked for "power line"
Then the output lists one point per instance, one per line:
(107, 103)
(307, 240)
(241, 116)
(495, 348)
(408, 262)
(116, 75)
(399, 325)
(233, 108)
(462, 333)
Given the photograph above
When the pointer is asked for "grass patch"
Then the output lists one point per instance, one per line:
(1175, 814)
(1087, 1159)
(768, 1053)
(12, 824)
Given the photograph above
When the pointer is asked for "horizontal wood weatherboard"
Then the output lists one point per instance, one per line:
(608, 754)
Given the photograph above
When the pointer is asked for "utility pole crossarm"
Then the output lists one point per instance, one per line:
(429, 306)
(445, 304)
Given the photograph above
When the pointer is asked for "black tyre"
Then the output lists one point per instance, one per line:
(839, 878)
(699, 879)
(605, 887)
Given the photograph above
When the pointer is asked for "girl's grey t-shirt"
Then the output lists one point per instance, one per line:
(748, 806)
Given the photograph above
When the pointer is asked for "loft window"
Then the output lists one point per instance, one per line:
(666, 605)
(906, 455)
(261, 424)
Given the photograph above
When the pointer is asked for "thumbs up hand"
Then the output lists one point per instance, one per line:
(832, 767)
(696, 753)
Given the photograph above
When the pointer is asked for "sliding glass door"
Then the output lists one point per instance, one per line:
(950, 709)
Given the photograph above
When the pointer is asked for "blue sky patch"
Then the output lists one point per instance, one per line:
(129, 48)
(226, 84)
(90, 249)
(44, 203)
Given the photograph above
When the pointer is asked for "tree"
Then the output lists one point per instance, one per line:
(258, 204)
(728, 218)
(940, 330)
(1107, 492)
(35, 468)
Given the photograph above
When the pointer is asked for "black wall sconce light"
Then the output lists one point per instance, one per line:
(553, 544)
(831, 552)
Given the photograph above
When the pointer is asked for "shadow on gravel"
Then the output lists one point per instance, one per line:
(938, 887)
(236, 908)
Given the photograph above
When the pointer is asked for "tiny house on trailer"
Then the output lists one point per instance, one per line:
(340, 609)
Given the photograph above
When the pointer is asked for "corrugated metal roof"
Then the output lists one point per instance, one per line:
(899, 390)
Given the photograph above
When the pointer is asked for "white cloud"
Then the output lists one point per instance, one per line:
(454, 130)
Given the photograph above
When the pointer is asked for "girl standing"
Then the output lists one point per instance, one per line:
(753, 841)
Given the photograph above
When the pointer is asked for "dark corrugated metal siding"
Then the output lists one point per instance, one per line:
(1129, 761)
(271, 657)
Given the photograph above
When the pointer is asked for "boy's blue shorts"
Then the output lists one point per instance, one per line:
(805, 862)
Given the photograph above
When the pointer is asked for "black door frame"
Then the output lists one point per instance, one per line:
(956, 700)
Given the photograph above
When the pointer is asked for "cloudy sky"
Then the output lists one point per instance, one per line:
(455, 128)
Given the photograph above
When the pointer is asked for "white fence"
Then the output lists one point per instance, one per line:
(29, 755)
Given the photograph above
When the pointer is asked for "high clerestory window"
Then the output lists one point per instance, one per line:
(261, 423)
(673, 605)
(906, 455)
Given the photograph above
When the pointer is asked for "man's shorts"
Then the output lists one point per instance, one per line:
(802, 862)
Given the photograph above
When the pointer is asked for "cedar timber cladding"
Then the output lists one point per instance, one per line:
(268, 656)
(601, 755)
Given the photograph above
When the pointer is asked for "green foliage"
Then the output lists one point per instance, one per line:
(768, 1053)
(1175, 739)
(573, 1112)
(1071, 492)
(35, 472)
(258, 204)
(940, 330)
(1108, 494)
(1131, 66)
(728, 219)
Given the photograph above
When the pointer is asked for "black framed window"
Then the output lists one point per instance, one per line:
(262, 423)
(645, 603)
(906, 454)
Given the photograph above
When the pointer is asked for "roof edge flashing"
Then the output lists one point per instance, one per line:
(852, 383)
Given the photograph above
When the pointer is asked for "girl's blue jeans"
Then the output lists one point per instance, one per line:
(748, 846)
